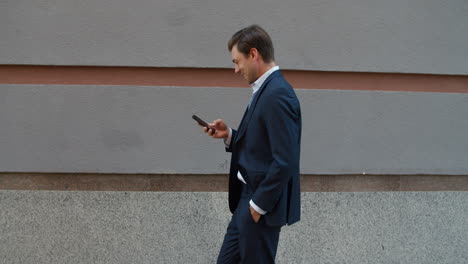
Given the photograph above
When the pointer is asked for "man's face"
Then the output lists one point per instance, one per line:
(244, 65)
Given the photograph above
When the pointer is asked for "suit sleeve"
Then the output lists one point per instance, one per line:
(282, 122)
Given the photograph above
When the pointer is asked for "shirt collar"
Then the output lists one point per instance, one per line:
(258, 83)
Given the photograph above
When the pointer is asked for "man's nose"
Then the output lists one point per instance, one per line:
(236, 70)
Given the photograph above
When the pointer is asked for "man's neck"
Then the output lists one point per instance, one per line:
(258, 83)
(265, 67)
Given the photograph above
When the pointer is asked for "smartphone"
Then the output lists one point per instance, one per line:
(203, 123)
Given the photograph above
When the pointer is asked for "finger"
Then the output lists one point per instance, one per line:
(212, 131)
(215, 123)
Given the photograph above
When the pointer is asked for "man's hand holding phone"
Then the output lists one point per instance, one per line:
(216, 129)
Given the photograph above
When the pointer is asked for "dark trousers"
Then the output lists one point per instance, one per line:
(246, 241)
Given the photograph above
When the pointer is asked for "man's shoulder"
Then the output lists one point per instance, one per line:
(279, 89)
(279, 85)
(276, 77)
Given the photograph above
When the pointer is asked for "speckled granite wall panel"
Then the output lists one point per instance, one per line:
(158, 227)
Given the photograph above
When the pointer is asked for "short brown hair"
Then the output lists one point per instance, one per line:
(256, 37)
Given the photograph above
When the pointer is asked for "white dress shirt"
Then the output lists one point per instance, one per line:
(255, 86)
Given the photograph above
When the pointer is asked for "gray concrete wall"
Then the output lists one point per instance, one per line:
(139, 227)
(417, 36)
(126, 129)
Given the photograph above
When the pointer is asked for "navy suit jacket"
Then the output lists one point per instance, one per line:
(266, 149)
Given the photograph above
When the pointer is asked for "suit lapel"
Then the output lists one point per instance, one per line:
(248, 114)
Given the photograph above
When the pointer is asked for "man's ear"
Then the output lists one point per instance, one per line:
(254, 53)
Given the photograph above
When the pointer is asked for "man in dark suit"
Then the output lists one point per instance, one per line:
(264, 188)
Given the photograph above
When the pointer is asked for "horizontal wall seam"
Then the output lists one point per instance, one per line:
(218, 77)
(219, 182)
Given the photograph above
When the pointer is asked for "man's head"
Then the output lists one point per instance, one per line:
(252, 52)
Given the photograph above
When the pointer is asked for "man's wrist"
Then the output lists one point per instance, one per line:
(256, 208)
(227, 140)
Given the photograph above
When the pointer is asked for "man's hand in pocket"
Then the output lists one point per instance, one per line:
(255, 215)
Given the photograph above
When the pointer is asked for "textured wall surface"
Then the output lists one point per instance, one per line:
(125, 129)
(141, 227)
(418, 36)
